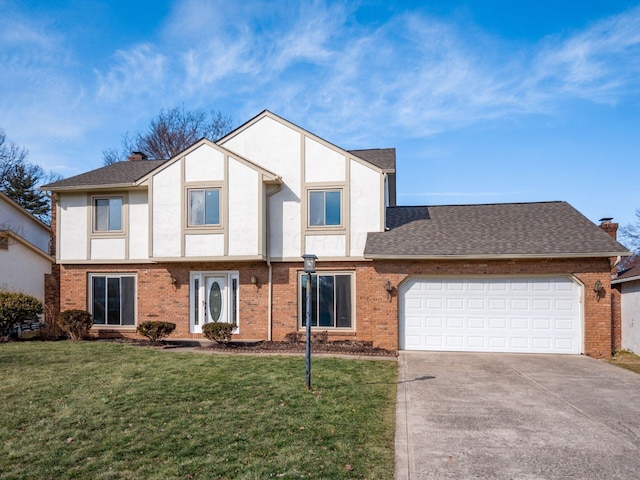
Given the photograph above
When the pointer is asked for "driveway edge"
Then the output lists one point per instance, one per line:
(402, 433)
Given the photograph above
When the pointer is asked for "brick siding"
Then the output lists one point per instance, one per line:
(375, 310)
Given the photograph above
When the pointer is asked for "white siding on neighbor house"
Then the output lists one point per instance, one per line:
(73, 226)
(244, 213)
(23, 224)
(630, 309)
(276, 147)
(204, 245)
(326, 245)
(23, 270)
(366, 204)
(323, 164)
(138, 225)
(167, 220)
(204, 164)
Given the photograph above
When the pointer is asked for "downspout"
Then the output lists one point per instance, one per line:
(268, 247)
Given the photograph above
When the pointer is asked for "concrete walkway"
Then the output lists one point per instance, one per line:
(512, 416)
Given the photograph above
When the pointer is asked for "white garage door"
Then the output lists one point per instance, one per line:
(538, 315)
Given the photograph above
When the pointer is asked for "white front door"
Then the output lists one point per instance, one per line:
(214, 298)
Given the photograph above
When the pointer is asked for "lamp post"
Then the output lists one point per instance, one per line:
(309, 268)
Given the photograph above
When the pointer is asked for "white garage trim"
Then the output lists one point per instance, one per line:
(539, 314)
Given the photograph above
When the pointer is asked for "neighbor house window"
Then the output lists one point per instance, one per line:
(331, 300)
(204, 206)
(108, 214)
(113, 299)
(325, 208)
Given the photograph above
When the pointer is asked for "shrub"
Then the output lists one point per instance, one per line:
(156, 331)
(294, 337)
(219, 331)
(75, 323)
(320, 337)
(16, 307)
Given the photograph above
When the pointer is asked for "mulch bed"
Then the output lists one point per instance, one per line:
(346, 347)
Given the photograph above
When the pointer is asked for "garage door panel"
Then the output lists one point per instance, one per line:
(491, 314)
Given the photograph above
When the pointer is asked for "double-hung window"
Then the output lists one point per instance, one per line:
(325, 208)
(204, 207)
(113, 299)
(331, 300)
(107, 214)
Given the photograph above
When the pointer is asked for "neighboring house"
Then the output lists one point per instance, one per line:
(217, 233)
(628, 283)
(24, 250)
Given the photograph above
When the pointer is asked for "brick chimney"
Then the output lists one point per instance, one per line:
(136, 156)
(609, 227)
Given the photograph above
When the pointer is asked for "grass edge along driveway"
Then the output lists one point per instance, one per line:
(100, 410)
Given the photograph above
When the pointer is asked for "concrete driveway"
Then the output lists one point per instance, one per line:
(512, 416)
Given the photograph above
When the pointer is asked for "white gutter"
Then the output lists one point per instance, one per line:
(268, 247)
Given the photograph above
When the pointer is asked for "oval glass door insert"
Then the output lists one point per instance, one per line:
(215, 302)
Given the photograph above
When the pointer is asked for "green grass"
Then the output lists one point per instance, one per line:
(626, 359)
(111, 411)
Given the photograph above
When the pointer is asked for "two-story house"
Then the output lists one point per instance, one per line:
(217, 234)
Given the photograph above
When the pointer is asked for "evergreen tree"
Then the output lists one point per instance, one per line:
(21, 185)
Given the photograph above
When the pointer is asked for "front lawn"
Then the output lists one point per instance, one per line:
(627, 360)
(112, 411)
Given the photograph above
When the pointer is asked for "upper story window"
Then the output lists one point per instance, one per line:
(204, 206)
(325, 208)
(108, 214)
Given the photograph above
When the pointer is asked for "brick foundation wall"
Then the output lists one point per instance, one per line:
(375, 311)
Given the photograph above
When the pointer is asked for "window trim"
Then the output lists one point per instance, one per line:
(309, 190)
(124, 218)
(218, 227)
(90, 299)
(302, 277)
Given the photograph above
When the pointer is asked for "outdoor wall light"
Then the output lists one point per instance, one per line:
(389, 288)
(254, 280)
(598, 287)
(173, 280)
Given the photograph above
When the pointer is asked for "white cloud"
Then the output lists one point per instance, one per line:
(139, 70)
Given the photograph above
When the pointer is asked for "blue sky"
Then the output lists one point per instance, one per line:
(485, 101)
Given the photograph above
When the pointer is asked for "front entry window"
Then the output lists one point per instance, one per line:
(214, 297)
(331, 300)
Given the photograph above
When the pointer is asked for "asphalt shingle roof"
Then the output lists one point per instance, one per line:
(384, 158)
(120, 173)
(632, 272)
(545, 229)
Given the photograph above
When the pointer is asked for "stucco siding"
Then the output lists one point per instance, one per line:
(138, 225)
(108, 249)
(326, 245)
(630, 307)
(167, 218)
(323, 164)
(244, 214)
(277, 148)
(365, 208)
(73, 226)
(204, 245)
(204, 164)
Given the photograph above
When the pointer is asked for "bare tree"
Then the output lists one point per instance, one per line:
(11, 154)
(630, 236)
(20, 180)
(170, 132)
